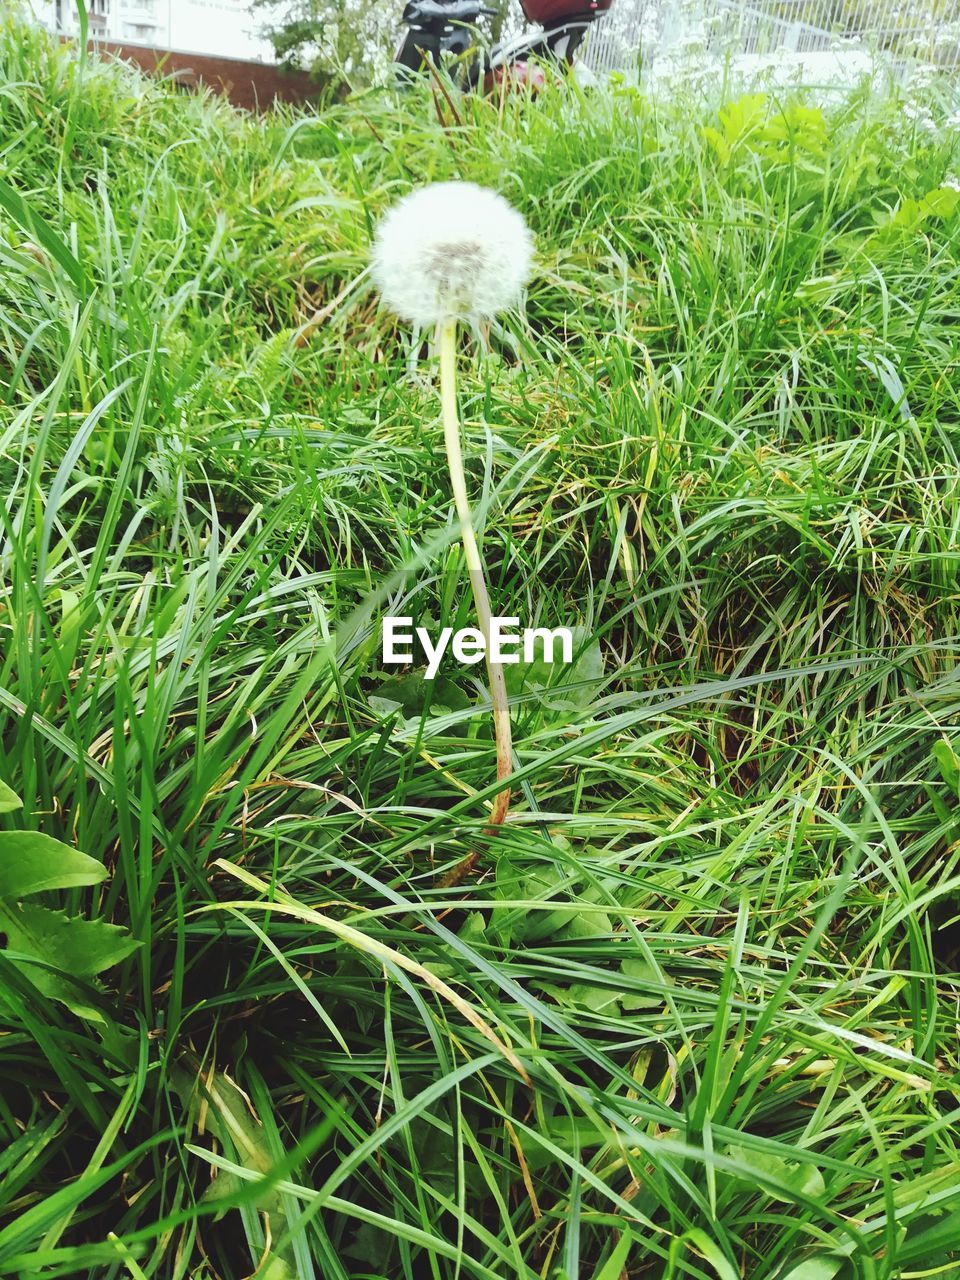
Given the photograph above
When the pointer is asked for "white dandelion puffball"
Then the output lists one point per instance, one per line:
(451, 250)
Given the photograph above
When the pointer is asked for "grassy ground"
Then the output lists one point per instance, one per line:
(695, 1013)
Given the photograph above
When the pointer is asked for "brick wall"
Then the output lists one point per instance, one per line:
(254, 85)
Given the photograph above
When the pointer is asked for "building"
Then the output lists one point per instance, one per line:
(220, 28)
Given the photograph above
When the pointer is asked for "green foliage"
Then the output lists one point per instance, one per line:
(911, 214)
(693, 1013)
(332, 37)
(216, 1105)
(773, 131)
(13, 204)
(68, 945)
(9, 800)
(32, 862)
(52, 949)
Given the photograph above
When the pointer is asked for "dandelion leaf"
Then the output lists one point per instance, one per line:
(31, 862)
(9, 800)
(53, 949)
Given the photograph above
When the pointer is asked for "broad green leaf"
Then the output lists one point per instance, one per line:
(274, 1268)
(371, 1245)
(718, 142)
(31, 862)
(910, 215)
(561, 687)
(473, 927)
(600, 999)
(641, 971)
(794, 128)
(591, 922)
(821, 1268)
(69, 945)
(472, 930)
(409, 695)
(9, 800)
(799, 1176)
(228, 1116)
(740, 117)
(583, 995)
(940, 203)
(948, 763)
(513, 923)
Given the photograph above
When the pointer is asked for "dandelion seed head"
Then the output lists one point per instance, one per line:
(452, 249)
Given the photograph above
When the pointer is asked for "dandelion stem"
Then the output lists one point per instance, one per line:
(447, 336)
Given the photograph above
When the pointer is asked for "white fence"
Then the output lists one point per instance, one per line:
(633, 32)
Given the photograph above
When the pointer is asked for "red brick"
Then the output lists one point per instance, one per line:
(254, 85)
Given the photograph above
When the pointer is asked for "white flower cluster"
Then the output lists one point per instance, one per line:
(919, 114)
(451, 250)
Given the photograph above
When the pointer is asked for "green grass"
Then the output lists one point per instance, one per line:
(695, 1014)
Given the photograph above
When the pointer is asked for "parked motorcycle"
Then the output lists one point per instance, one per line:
(445, 31)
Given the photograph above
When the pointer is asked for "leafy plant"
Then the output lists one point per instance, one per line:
(696, 1015)
(60, 954)
(912, 214)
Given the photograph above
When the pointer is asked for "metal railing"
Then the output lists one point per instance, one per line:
(633, 32)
